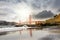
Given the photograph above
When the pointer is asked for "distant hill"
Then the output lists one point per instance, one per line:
(6, 23)
(56, 19)
(44, 14)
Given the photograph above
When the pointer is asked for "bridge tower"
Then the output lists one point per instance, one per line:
(30, 21)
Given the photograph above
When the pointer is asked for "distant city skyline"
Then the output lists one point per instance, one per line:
(15, 10)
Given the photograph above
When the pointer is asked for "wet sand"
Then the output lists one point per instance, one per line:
(28, 35)
(24, 35)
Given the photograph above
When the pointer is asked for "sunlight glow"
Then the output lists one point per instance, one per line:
(22, 12)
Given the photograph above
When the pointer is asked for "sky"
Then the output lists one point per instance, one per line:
(19, 10)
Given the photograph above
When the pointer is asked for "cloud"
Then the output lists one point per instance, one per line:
(58, 10)
(6, 14)
(11, 1)
(44, 14)
(57, 4)
(40, 5)
(8, 8)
